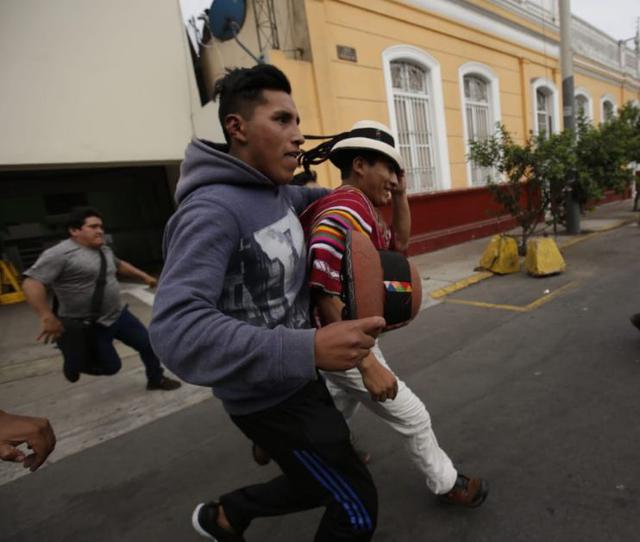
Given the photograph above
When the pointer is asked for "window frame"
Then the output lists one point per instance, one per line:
(541, 83)
(486, 73)
(607, 98)
(581, 91)
(409, 53)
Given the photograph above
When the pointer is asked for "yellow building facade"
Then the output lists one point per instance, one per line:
(99, 109)
(440, 72)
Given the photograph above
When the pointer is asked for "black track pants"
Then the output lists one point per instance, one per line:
(309, 439)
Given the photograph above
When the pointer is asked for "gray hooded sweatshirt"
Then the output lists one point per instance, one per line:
(232, 306)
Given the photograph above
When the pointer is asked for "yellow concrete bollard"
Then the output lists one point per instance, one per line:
(543, 257)
(10, 289)
(501, 255)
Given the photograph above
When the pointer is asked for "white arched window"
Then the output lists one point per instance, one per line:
(607, 108)
(416, 112)
(480, 93)
(583, 104)
(545, 106)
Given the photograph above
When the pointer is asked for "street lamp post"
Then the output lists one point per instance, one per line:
(572, 207)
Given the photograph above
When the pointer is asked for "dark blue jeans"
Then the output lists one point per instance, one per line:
(131, 331)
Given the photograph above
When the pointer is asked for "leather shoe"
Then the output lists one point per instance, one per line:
(469, 492)
(165, 384)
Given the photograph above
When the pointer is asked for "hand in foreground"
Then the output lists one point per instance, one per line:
(35, 432)
(150, 281)
(381, 383)
(341, 345)
(52, 329)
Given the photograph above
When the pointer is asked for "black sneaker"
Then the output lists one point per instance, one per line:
(205, 522)
(71, 373)
(260, 455)
(468, 492)
(165, 384)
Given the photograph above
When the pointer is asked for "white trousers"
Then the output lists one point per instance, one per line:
(406, 414)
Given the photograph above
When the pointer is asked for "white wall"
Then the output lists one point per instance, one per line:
(87, 82)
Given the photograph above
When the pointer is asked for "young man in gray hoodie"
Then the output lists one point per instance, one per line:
(232, 312)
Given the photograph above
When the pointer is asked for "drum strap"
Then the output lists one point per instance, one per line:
(397, 287)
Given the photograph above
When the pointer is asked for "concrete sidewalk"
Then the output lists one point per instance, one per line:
(92, 410)
(96, 409)
(454, 268)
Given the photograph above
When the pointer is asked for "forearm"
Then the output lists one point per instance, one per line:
(329, 307)
(368, 362)
(206, 347)
(401, 221)
(36, 294)
(129, 270)
(379, 381)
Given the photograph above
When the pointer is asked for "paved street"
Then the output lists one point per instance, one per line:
(542, 402)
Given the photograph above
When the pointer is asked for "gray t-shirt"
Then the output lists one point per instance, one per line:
(71, 270)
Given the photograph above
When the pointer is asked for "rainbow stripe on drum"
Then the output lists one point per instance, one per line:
(397, 286)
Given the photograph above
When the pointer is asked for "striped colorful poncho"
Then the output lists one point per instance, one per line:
(325, 224)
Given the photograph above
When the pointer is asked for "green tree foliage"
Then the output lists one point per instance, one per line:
(529, 179)
(532, 179)
(604, 152)
(629, 117)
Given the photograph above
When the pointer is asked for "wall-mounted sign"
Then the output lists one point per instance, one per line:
(347, 53)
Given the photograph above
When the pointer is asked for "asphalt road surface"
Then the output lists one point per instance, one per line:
(531, 383)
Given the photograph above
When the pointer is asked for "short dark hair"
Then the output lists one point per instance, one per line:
(240, 90)
(304, 177)
(343, 160)
(78, 215)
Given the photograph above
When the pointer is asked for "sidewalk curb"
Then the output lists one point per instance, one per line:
(461, 284)
(583, 237)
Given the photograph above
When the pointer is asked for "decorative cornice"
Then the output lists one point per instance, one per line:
(588, 41)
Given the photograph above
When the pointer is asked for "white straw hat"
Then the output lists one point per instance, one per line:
(368, 135)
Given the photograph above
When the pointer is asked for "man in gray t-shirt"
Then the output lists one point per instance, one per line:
(71, 269)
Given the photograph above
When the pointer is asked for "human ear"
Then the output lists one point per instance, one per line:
(358, 166)
(235, 127)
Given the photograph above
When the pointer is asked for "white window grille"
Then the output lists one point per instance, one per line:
(544, 111)
(412, 107)
(582, 106)
(608, 111)
(478, 118)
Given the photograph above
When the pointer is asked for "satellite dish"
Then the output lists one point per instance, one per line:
(226, 18)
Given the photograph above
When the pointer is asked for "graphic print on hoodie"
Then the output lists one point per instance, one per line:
(232, 306)
(260, 286)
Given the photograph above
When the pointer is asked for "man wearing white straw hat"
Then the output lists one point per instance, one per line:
(372, 176)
